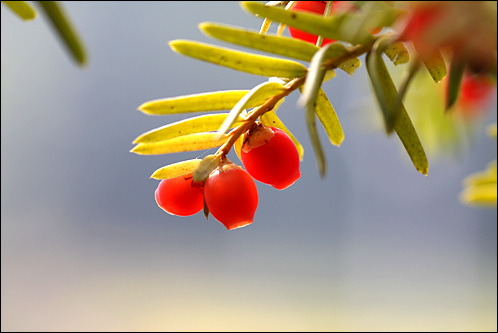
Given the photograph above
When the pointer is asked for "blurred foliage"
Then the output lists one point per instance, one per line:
(58, 19)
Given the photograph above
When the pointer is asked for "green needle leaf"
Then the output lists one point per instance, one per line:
(211, 101)
(22, 9)
(205, 123)
(328, 118)
(238, 60)
(62, 25)
(397, 53)
(381, 82)
(280, 45)
(176, 169)
(191, 142)
(328, 27)
(397, 120)
(457, 70)
(262, 91)
(435, 65)
(308, 99)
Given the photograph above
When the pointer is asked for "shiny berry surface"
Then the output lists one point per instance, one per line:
(231, 196)
(178, 196)
(270, 156)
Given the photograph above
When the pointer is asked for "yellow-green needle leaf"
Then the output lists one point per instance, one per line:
(271, 119)
(284, 46)
(309, 93)
(328, 117)
(387, 95)
(436, 65)
(327, 27)
(262, 91)
(64, 28)
(480, 195)
(487, 176)
(191, 142)
(176, 169)
(397, 53)
(238, 60)
(279, 45)
(208, 164)
(205, 123)
(22, 9)
(457, 70)
(211, 101)
(381, 83)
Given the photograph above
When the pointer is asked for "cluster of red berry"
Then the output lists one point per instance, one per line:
(229, 193)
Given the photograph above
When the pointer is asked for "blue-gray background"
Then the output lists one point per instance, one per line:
(373, 246)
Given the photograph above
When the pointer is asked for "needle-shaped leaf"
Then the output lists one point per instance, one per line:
(308, 99)
(191, 142)
(204, 123)
(238, 60)
(64, 28)
(208, 164)
(397, 53)
(265, 26)
(344, 26)
(210, 101)
(387, 95)
(435, 64)
(327, 27)
(457, 70)
(22, 9)
(328, 118)
(480, 195)
(176, 169)
(381, 83)
(271, 119)
(279, 45)
(481, 187)
(262, 91)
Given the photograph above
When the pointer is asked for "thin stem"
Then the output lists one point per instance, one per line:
(326, 12)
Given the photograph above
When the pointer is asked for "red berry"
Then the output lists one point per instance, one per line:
(231, 196)
(475, 90)
(318, 7)
(270, 156)
(178, 196)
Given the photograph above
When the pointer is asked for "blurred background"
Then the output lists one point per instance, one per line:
(373, 246)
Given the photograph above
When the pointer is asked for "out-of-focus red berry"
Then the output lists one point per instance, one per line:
(231, 196)
(270, 156)
(178, 196)
(318, 7)
(475, 92)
